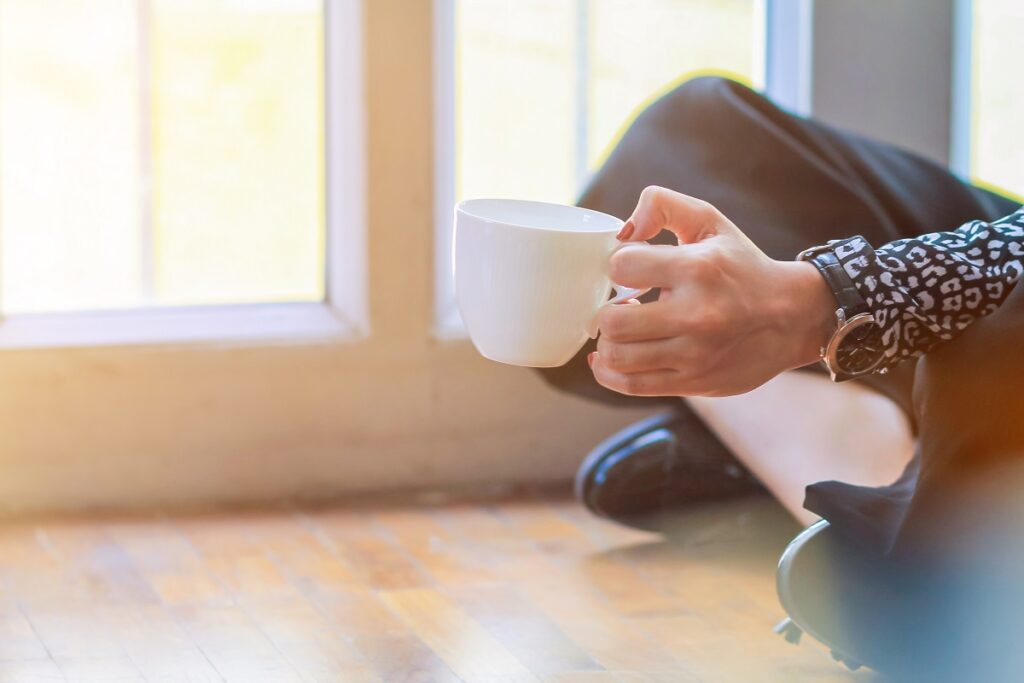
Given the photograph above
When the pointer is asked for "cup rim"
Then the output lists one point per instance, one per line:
(467, 207)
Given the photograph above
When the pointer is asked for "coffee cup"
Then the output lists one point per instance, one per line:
(530, 277)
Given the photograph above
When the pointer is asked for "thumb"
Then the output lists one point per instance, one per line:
(691, 219)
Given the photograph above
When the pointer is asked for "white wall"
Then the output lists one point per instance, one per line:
(884, 67)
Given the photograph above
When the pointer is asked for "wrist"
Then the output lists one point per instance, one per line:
(808, 310)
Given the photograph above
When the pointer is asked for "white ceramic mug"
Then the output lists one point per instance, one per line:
(530, 277)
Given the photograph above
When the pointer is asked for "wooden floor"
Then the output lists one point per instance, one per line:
(519, 591)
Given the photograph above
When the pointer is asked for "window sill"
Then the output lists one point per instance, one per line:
(290, 322)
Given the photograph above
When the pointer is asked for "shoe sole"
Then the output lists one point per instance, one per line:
(789, 602)
(783, 578)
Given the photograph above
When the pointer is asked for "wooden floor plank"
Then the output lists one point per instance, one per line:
(234, 644)
(527, 590)
(471, 652)
(582, 677)
(522, 628)
(170, 564)
(582, 561)
(303, 554)
(313, 646)
(375, 559)
(447, 559)
(76, 630)
(405, 659)
(31, 671)
(18, 640)
(95, 669)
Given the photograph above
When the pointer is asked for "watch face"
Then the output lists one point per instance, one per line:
(857, 359)
(858, 350)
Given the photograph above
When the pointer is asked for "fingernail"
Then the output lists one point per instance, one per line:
(626, 232)
(590, 358)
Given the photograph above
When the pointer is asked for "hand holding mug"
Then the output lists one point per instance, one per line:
(728, 317)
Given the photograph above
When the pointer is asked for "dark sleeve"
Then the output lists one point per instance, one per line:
(926, 290)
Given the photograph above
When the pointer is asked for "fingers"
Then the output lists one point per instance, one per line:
(661, 354)
(662, 265)
(647, 322)
(656, 383)
(660, 209)
(645, 265)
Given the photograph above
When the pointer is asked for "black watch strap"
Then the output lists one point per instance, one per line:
(853, 349)
(847, 296)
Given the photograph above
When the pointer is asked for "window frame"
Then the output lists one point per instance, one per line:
(447, 320)
(962, 83)
(343, 315)
(787, 78)
(962, 100)
(789, 53)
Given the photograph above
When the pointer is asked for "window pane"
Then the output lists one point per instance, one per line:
(545, 87)
(514, 74)
(238, 150)
(640, 50)
(160, 152)
(997, 137)
(69, 155)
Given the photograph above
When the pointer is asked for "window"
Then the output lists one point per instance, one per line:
(988, 143)
(533, 94)
(543, 89)
(172, 153)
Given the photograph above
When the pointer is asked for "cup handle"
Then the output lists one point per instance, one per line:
(625, 294)
(621, 294)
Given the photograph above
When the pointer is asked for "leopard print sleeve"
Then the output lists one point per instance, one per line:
(926, 290)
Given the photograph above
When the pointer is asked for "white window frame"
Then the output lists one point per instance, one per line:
(447, 321)
(787, 79)
(789, 53)
(343, 315)
(961, 88)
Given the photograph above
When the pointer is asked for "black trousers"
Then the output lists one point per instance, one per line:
(791, 183)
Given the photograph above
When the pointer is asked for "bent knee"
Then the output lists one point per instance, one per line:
(704, 98)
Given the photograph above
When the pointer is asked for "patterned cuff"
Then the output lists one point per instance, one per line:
(925, 290)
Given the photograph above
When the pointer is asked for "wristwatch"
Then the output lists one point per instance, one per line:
(853, 349)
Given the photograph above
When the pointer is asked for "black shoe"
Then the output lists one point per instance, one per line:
(809, 583)
(938, 622)
(855, 607)
(657, 467)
